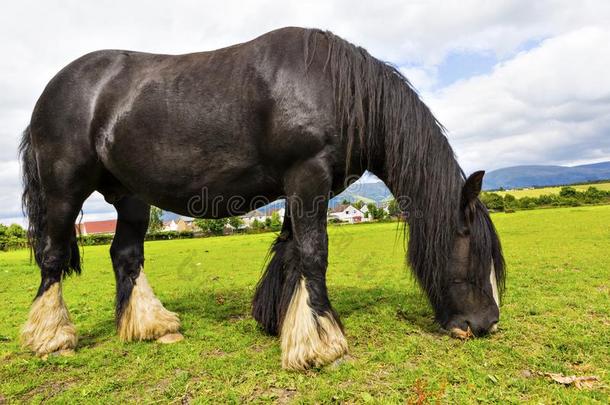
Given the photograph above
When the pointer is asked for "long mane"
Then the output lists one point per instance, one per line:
(382, 118)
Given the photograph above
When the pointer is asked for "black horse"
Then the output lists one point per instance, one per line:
(290, 114)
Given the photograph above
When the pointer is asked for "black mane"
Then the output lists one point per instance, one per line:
(383, 118)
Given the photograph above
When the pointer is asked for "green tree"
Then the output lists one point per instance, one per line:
(236, 222)
(493, 201)
(593, 195)
(12, 236)
(275, 221)
(358, 204)
(3, 237)
(345, 201)
(155, 223)
(15, 231)
(510, 202)
(568, 192)
(545, 199)
(211, 226)
(393, 208)
(528, 202)
(374, 212)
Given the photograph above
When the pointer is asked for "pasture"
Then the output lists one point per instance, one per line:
(537, 192)
(555, 317)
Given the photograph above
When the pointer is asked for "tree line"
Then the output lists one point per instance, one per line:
(14, 236)
(567, 197)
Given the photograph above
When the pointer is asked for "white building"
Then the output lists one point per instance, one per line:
(347, 213)
(261, 216)
(180, 224)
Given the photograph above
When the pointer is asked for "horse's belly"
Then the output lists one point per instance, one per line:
(197, 186)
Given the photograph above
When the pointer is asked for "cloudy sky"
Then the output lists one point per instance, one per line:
(515, 82)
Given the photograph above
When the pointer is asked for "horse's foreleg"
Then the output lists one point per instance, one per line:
(311, 333)
(139, 313)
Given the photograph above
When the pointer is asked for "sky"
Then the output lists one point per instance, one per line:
(514, 82)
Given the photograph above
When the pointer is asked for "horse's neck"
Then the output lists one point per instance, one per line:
(423, 183)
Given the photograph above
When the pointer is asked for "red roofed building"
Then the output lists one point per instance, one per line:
(95, 227)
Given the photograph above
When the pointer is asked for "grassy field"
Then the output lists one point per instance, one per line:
(535, 192)
(555, 318)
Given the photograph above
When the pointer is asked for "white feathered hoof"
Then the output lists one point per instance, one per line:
(145, 318)
(49, 328)
(306, 341)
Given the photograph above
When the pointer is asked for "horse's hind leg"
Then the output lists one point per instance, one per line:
(49, 328)
(139, 313)
(311, 333)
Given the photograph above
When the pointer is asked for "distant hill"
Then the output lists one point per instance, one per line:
(372, 192)
(538, 176)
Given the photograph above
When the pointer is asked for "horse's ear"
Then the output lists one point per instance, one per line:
(472, 187)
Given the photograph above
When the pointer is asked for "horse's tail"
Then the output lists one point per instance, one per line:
(34, 205)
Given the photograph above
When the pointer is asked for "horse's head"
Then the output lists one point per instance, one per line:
(469, 300)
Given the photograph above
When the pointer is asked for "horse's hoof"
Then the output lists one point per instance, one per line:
(171, 338)
(458, 333)
(59, 353)
(344, 359)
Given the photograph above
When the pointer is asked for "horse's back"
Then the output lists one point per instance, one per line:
(230, 119)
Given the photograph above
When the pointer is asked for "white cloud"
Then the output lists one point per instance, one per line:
(422, 79)
(548, 105)
(10, 185)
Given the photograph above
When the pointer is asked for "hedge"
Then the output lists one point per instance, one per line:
(567, 197)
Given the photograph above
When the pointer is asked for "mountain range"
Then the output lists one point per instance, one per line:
(539, 176)
(506, 178)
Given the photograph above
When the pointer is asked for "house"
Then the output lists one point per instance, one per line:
(96, 227)
(252, 216)
(347, 213)
(170, 225)
(179, 225)
(262, 216)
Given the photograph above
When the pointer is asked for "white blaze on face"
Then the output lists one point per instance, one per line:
(494, 285)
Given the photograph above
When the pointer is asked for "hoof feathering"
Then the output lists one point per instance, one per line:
(306, 341)
(49, 328)
(144, 317)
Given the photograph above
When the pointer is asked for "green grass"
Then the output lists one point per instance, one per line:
(555, 318)
(536, 192)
